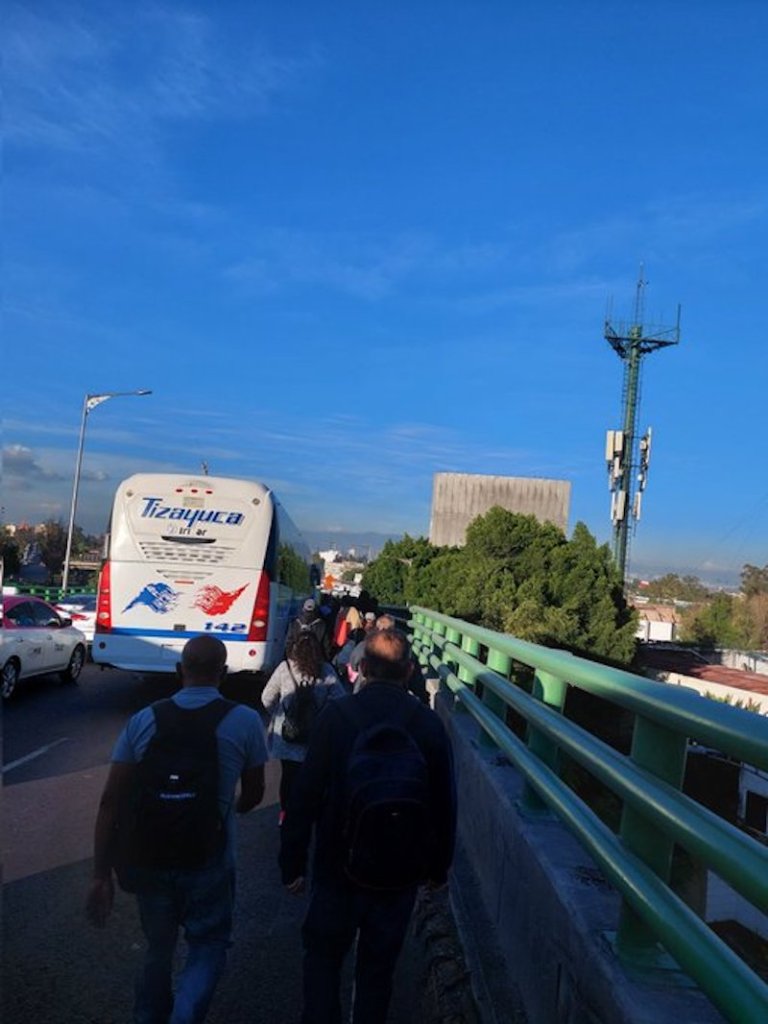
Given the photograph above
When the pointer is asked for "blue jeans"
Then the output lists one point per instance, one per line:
(201, 903)
(339, 911)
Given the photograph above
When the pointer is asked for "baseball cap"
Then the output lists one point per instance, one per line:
(309, 605)
(370, 616)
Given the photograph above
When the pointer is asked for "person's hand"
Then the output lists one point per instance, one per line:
(98, 905)
(297, 886)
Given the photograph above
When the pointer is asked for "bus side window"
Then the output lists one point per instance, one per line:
(271, 563)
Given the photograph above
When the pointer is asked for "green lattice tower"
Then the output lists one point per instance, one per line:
(627, 454)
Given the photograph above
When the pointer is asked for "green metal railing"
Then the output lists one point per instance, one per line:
(479, 665)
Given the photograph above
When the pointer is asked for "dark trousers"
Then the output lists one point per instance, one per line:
(288, 772)
(339, 911)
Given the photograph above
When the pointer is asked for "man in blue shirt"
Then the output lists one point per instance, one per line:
(199, 899)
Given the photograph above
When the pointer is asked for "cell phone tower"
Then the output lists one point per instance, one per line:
(628, 455)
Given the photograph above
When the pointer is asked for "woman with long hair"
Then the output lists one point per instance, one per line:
(295, 694)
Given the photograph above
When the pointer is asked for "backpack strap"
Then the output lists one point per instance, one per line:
(206, 718)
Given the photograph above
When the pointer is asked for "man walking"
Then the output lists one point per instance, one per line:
(309, 620)
(415, 684)
(184, 876)
(377, 785)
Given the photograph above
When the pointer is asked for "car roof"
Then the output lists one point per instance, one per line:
(11, 600)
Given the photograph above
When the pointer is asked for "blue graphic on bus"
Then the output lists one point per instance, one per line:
(157, 596)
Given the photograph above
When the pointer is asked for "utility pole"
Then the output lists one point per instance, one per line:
(627, 455)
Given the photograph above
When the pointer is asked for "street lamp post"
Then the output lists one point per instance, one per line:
(89, 402)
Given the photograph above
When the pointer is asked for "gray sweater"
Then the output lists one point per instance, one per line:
(280, 687)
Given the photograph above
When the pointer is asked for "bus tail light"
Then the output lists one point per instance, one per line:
(257, 630)
(104, 602)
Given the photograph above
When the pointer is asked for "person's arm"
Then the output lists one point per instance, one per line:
(251, 789)
(271, 693)
(102, 892)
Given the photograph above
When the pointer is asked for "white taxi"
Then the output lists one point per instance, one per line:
(35, 639)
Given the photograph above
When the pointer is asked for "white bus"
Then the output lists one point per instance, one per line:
(186, 556)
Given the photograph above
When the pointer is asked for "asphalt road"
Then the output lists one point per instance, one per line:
(57, 969)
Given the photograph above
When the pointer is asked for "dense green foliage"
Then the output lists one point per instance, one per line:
(736, 621)
(713, 624)
(519, 576)
(732, 620)
(388, 575)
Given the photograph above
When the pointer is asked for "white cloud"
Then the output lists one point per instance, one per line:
(84, 81)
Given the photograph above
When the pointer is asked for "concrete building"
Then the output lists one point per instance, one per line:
(458, 498)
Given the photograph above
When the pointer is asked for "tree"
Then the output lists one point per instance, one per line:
(9, 551)
(516, 575)
(714, 624)
(754, 580)
(586, 584)
(672, 587)
(53, 543)
(751, 619)
(387, 576)
(51, 536)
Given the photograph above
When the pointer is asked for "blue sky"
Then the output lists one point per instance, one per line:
(350, 245)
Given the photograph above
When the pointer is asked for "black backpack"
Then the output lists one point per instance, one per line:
(174, 820)
(387, 819)
(300, 709)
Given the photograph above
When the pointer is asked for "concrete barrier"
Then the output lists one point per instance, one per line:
(546, 909)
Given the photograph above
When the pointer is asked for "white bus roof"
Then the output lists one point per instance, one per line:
(222, 485)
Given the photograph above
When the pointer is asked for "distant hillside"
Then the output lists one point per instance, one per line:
(715, 578)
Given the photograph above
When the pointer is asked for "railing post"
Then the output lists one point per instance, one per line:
(502, 664)
(472, 647)
(551, 691)
(423, 639)
(416, 630)
(661, 751)
(453, 636)
(437, 629)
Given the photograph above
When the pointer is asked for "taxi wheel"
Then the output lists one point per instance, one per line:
(75, 666)
(9, 679)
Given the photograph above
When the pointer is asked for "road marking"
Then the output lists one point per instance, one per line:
(33, 755)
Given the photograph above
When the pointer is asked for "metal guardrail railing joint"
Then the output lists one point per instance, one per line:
(471, 660)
